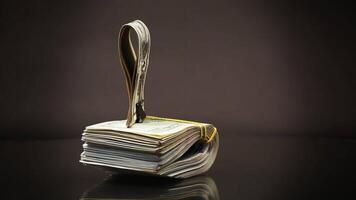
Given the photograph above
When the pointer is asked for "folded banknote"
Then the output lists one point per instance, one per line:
(134, 60)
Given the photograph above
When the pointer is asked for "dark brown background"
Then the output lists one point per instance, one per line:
(276, 77)
(260, 67)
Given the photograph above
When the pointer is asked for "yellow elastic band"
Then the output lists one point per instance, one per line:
(203, 127)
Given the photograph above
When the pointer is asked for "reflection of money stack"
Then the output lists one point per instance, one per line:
(133, 187)
(160, 146)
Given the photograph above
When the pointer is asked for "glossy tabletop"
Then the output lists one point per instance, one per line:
(247, 167)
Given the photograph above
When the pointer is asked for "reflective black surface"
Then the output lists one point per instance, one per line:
(147, 187)
(247, 167)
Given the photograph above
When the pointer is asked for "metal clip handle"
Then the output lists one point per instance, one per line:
(135, 67)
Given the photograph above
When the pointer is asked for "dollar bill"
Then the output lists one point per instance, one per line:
(135, 65)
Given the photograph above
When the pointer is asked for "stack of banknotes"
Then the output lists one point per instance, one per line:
(160, 146)
(146, 144)
(133, 187)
